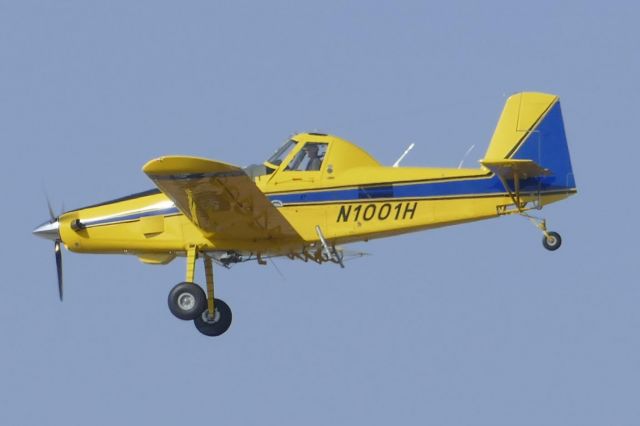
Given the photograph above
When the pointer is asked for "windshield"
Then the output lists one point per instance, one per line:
(281, 154)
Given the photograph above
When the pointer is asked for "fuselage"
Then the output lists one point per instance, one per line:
(346, 193)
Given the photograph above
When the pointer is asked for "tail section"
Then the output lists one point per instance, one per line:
(531, 128)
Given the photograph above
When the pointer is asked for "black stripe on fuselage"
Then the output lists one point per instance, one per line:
(147, 193)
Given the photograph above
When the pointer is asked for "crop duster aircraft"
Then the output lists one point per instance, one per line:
(314, 194)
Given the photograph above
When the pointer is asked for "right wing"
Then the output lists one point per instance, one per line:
(219, 198)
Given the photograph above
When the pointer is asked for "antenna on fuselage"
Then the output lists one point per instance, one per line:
(465, 155)
(404, 154)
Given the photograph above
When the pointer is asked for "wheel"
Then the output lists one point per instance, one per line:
(218, 324)
(187, 300)
(552, 241)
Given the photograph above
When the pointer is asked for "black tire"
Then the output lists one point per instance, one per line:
(552, 241)
(186, 301)
(221, 323)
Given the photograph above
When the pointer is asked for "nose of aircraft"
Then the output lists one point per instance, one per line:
(48, 230)
(51, 231)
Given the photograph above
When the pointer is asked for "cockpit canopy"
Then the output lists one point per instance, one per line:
(313, 152)
(308, 158)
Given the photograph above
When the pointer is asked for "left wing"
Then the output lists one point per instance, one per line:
(219, 198)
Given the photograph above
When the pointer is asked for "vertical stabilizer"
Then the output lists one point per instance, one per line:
(531, 128)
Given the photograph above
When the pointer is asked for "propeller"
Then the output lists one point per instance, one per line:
(51, 231)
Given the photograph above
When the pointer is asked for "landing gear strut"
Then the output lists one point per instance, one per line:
(187, 300)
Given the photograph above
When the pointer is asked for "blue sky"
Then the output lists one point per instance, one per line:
(475, 324)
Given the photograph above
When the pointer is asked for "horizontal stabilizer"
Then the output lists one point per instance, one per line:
(511, 168)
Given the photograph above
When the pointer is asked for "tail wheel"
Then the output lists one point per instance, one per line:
(187, 300)
(552, 241)
(216, 325)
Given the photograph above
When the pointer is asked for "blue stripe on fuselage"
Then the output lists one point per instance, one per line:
(475, 187)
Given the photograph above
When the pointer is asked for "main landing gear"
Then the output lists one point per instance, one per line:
(188, 301)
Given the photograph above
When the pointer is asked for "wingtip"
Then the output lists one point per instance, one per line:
(151, 165)
(167, 165)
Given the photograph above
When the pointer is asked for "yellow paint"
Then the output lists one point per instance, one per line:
(520, 114)
(156, 258)
(151, 225)
(208, 271)
(192, 254)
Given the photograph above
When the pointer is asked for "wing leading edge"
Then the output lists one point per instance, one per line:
(219, 198)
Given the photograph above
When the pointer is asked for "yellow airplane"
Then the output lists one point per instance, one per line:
(314, 194)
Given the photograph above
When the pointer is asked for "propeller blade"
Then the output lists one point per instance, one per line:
(59, 267)
(52, 215)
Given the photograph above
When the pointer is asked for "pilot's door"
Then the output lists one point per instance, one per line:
(299, 182)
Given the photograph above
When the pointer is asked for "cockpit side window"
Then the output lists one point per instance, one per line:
(309, 158)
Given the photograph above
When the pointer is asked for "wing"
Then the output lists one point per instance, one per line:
(219, 198)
